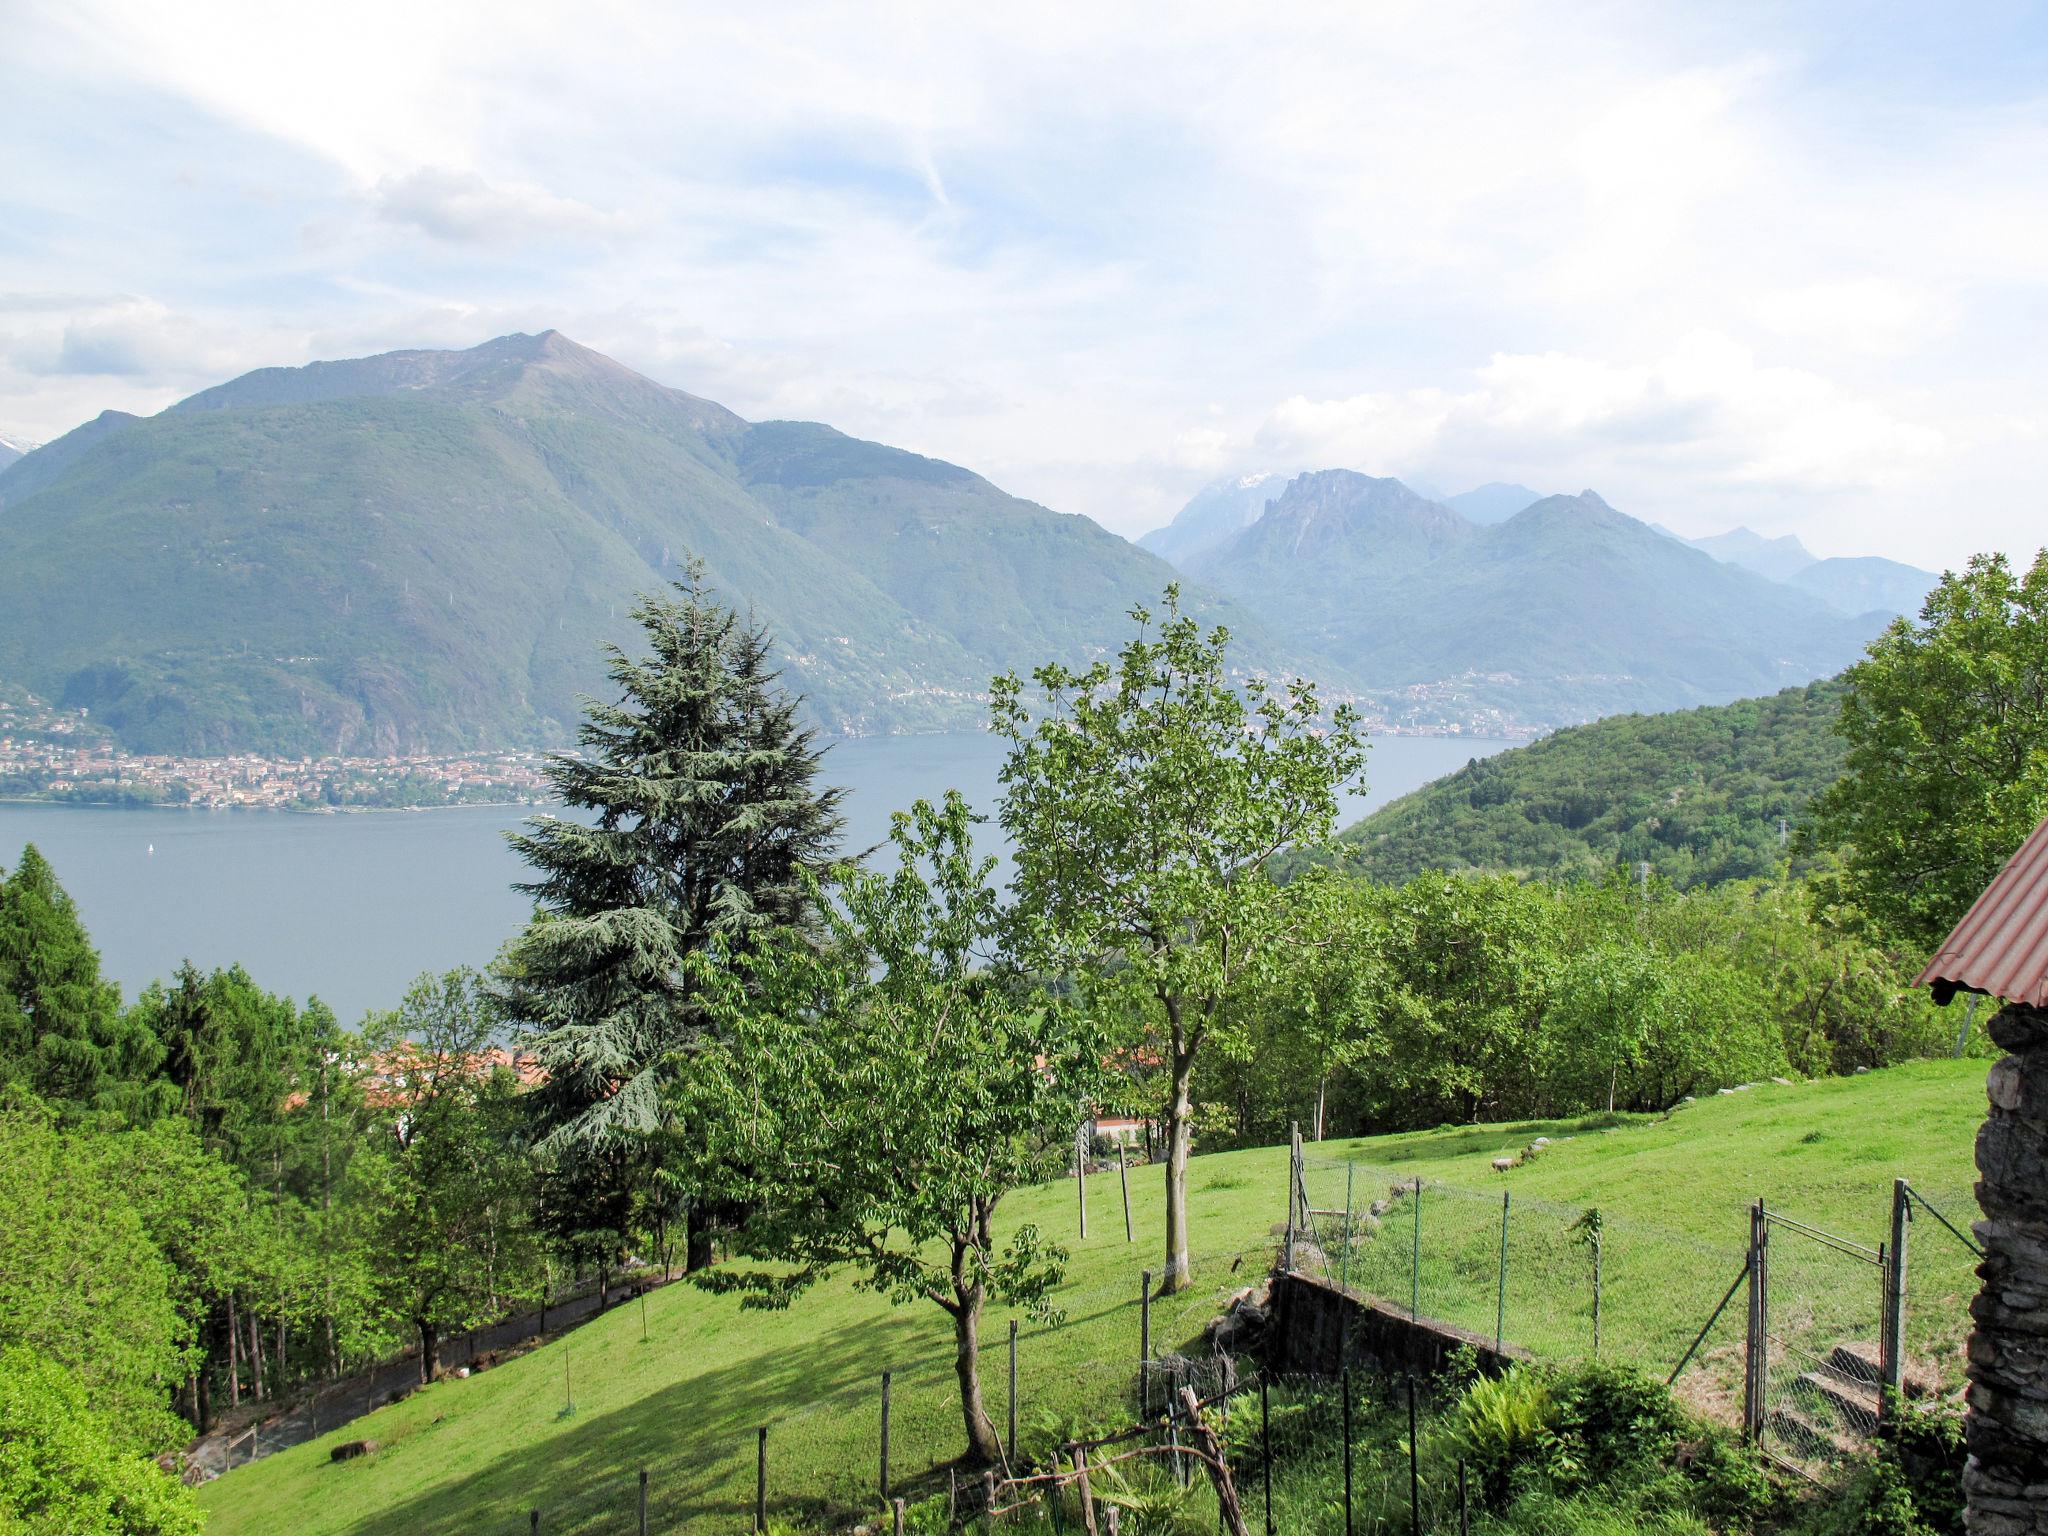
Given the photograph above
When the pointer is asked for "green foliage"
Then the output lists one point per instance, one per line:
(873, 1095)
(1913, 1486)
(67, 1470)
(1461, 997)
(706, 821)
(63, 1035)
(442, 1193)
(1697, 794)
(1947, 728)
(1145, 800)
(1503, 1425)
(81, 1283)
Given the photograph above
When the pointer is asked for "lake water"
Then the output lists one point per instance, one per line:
(352, 907)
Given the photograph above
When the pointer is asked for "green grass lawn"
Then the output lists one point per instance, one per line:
(685, 1404)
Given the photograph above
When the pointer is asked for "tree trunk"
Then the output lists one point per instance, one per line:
(1179, 1134)
(255, 1357)
(234, 1357)
(430, 1350)
(696, 1241)
(983, 1446)
(202, 1396)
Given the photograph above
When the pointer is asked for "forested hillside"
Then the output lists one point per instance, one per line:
(1699, 794)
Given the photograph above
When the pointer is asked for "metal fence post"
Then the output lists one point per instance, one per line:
(1350, 1168)
(885, 1437)
(1414, 1473)
(1347, 1450)
(1894, 1329)
(1293, 1190)
(1266, 1451)
(1415, 1267)
(1145, 1344)
(1596, 1293)
(1013, 1391)
(761, 1480)
(643, 1501)
(1500, 1300)
(1756, 1351)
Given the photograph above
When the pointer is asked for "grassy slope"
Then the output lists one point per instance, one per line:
(474, 1455)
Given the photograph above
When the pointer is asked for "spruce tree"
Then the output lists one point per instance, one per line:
(63, 1034)
(695, 814)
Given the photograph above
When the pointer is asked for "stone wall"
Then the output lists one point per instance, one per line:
(2006, 1480)
(1318, 1328)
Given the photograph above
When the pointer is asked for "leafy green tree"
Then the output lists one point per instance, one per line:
(1145, 801)
(231, 1053)
(444, 1192)
(1947, 725)
(704, 821)
(63, 1035)
(82, 1283)
(66, 1467)
(884, 1089)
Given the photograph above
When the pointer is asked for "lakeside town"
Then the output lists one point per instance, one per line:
(58, 757)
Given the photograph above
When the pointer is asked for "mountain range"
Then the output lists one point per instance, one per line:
(12, 448)
(425, 550)
(1564, 611)
(1846, 583)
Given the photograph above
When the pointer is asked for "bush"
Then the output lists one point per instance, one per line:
(1912, 1487)
(60, 1469)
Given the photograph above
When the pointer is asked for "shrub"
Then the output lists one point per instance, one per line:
(62, 1470)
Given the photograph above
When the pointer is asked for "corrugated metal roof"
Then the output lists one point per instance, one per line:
(2001, 945)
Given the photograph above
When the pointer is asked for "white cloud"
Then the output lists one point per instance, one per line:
(1692, 258)
(462, 206)
(1702, 420)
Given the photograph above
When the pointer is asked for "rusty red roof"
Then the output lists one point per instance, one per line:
(2001, 945)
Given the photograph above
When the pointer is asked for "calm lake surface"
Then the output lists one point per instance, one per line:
(352, 907)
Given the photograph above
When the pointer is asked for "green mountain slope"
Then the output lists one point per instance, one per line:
(424, 550)
(1698, 794)
(1566, 612)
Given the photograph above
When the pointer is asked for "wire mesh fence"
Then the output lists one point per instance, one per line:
(1564, 1282)
(1558, 1281)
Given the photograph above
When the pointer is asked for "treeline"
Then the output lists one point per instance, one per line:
(1464, 997)
(211, 1196)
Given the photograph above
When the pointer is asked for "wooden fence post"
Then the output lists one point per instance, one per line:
(1123, 1177)
(1210, 1449)
(1087, 1494)
(896, 1513)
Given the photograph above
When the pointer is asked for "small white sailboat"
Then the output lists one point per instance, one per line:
(152, 850)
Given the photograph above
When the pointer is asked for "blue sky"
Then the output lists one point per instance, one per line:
(1774, 265)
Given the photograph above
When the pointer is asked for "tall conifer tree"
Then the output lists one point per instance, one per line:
(63, 1033)
(703, 813)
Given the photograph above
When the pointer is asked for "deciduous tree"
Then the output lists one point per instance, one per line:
(1145, 800)
(1947, 725)
(885, 1087)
